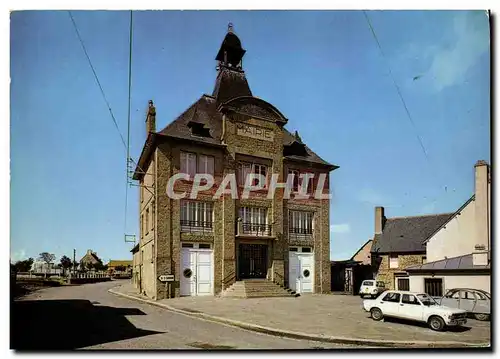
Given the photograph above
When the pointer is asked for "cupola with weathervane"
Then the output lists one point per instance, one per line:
(231, 53)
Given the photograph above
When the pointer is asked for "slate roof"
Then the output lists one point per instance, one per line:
(230, 84)
(464, 262)
(407, 234)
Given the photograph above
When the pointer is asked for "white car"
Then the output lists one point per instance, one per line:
(372, 288)
(414, 306)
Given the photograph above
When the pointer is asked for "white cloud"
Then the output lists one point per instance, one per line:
(446, 61)
(340, 228)
(450, 65)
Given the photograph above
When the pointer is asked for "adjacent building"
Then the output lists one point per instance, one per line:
(459, 251)
(437, 252)
(398, 243)
(208, 244)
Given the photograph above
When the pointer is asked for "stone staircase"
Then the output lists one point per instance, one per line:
(257, 288)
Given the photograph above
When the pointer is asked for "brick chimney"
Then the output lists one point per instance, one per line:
(379, 219)
(151, 118)
(482, 213)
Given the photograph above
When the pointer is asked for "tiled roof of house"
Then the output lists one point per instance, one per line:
(464, 262)
(407, 234)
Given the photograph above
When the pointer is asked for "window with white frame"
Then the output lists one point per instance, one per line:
(196, 216)
(188, 163)
(254, 221)
(393, 261)
(206, 164)
(300, 223)
(245, 168)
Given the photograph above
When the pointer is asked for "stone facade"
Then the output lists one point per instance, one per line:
(388, 275)
(243, 129)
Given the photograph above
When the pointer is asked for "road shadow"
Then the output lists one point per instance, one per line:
(457, 329)
(69, 324)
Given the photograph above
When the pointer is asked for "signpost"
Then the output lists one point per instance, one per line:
(167, 279)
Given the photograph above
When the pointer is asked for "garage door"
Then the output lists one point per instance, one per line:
(196, 272)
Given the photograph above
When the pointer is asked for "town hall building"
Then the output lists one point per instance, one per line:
(209, 245)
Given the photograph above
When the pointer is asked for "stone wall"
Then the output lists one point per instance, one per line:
(387, 274)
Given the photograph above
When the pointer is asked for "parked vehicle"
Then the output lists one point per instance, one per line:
(414, 306)
(372, 288)
(475, 301)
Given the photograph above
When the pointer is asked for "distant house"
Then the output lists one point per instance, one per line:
(459, 251)
(89, 257)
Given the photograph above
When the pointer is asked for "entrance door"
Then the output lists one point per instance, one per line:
(301, 272)
(252, 261)
(196, 272)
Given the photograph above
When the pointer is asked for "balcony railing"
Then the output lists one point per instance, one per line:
(257, 230)
(300, 232)
(196, 226)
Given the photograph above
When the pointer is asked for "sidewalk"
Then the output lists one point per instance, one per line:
(330, 318)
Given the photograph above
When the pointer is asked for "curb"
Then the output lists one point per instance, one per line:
(306, 336)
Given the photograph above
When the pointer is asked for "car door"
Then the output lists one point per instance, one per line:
(410, 307)
(390, 304)
(467, 300)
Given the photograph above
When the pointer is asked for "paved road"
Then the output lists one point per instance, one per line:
(88, 317)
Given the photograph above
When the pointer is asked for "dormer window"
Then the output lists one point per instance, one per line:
(199, 129)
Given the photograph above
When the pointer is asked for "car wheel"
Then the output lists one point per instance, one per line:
(436, 323)
(376, 314)
(482, 316)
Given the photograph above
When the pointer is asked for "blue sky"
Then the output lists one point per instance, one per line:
(323, 70)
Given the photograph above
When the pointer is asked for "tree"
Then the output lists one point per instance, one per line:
(120, 268)
(66, 263)
(24, 266)
(47, 258)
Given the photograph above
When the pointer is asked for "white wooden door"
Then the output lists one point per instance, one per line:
(306, 274)
(204, 270)
(196, 272)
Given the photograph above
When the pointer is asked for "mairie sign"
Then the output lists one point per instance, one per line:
(259, 133)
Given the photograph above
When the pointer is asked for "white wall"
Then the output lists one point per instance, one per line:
(456, 238)
(452, 281)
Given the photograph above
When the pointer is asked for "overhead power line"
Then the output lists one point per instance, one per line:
(419, 138)
(396, 85)
(96, 78)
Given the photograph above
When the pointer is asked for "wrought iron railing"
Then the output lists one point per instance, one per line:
(258, 230)
(196, 226)
(294, 232)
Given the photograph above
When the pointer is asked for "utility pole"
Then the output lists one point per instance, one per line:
(74, 262)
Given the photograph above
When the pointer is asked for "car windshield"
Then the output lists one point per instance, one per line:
(426, 300)
(368, 283)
